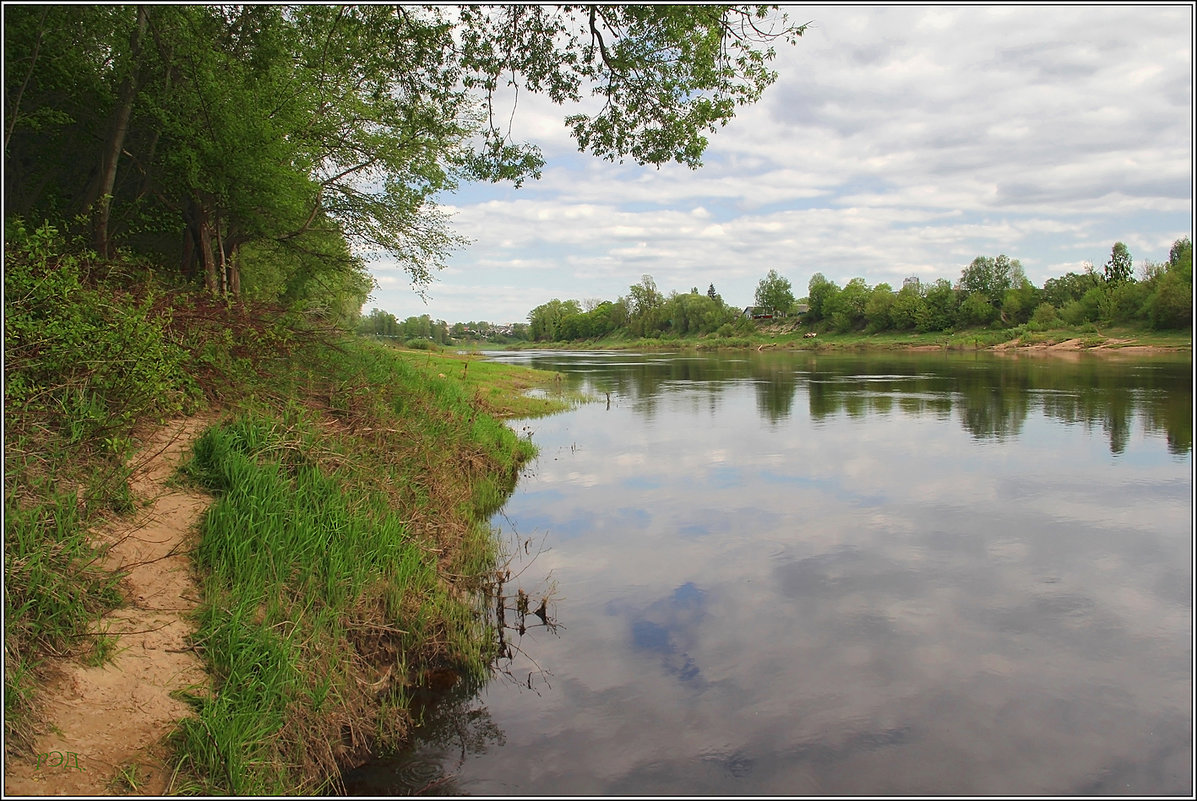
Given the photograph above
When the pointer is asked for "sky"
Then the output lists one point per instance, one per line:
(898, 141)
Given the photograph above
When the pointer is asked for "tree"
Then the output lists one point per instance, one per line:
(644, 304)
(774, 293)
(711, 293)
(1171, 304)
(99, 197)
(1180, 257)
(1059, 292)
(820, 292)
(846, 310)
(665, 75)
(907, 306)
(379, 323)
(976, 310)
(694, 314)
(938, 310)
(878, 307)
(545, 320)
(1019, 302)
(329, 131)
(1118, 268)
(991, 277)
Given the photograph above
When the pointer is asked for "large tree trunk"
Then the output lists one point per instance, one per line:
(200, 229)
(232, 264)
(207, 258)
(100, 197)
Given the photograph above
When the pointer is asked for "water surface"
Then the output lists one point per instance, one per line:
(788, 573)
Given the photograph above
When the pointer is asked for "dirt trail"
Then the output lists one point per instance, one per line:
(113, 717)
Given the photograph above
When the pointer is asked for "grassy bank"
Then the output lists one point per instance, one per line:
(493, 387)
(343, 557)
(791, 336)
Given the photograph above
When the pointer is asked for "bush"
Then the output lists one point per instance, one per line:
(1172, 304)
(1074, 313)
(83, 361)
(1044, 316)
(976, 310)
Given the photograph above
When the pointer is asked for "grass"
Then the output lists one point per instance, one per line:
(301, 586)
(792, 337)
(103, 648)
(347, 547)
(502, 390)
(54, 590)
(127, 780)
(344, 557)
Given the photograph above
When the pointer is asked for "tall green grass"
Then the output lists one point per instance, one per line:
(54, 589)
(343, 557)
(294, 565)
(345, 550)
(86, 360)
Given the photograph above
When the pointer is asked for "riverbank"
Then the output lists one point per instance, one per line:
(794, 337)
(364, 571)
(341, 561)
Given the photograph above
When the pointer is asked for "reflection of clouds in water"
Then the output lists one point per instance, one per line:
(670, 627)
(655, 637)
(578, 479)
(1001, 609)
(828, 576)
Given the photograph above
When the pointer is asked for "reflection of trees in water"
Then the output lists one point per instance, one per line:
(775, 393)
(1171, 412)
(1161, 399)
(993, 402)
(1112, 409)
(993, 414)
(452, 725)
(992, 395)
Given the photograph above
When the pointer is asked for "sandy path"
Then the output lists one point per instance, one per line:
(115, 716)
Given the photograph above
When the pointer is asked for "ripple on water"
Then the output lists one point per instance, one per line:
(421, 772)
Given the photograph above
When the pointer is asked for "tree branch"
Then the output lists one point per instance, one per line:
(16, 105)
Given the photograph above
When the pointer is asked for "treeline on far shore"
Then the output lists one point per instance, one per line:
(991, 294)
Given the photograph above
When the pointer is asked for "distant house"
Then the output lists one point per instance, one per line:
(764, 313)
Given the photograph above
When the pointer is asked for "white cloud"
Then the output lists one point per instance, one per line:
(898, 140)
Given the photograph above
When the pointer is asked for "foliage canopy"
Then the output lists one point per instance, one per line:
(291, 141)
(774, 293)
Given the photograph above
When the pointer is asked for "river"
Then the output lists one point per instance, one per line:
(802, 574)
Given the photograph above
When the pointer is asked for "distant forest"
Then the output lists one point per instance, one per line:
(991, 293)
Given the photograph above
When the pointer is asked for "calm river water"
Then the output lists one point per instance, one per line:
(786, 573)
